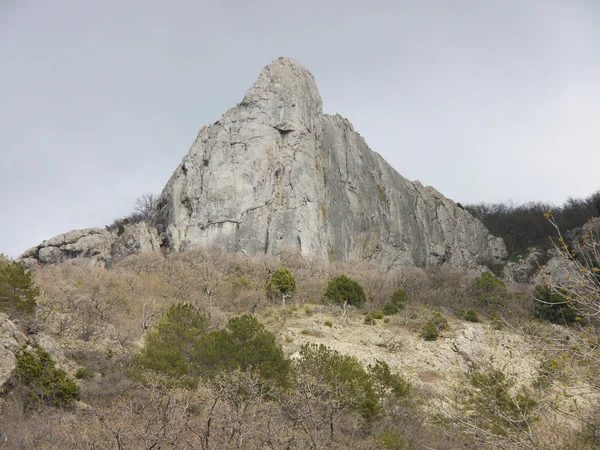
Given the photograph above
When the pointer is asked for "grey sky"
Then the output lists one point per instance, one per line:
(100, 100)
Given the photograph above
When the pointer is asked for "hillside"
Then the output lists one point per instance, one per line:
(494, 377)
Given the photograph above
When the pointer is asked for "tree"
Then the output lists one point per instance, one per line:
(144, 206)
(580, 290)
(345, 291)
(43, 381)
(244, 344)
(171, 346)
(17, 291)
(282, 282)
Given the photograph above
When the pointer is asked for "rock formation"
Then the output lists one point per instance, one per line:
(100, 246)
(275, 172)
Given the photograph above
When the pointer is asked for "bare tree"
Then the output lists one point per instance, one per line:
(144, 206)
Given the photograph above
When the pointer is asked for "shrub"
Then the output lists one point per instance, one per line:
(17, 291)
(439, 321)
(430, 331)
(369, 319)
(327, 323)
(344, 290)
(470, 315)
(346, 380)
(180, 349)
(395, 303)
(377, 314)
(493, 405)
(171, 346)
(244, 344)
(43, 381)
(489, 290)
(282, 283)
(552, 305)
(84, 373)
(385, 381)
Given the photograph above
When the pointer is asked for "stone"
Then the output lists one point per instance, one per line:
(136, 238)
(96, 245)
(11, 340)
(276, 173)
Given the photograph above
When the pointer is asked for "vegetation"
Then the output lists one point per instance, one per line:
(43, 382)
(181, 349)
(470, 315)
(524, 226)
(489, 291)
(282, 283)
(17, 291)
(343, 290)
(553, 305)
(249, 395)
(396, 302)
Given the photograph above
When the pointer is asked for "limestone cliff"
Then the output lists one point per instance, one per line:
(276, 172)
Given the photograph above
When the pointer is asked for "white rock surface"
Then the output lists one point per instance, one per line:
(276, 172)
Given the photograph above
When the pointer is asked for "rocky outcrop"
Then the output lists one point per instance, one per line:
(276, 172)
(100, 246)
(11, 340)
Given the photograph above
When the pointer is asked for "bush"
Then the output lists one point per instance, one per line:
(171, 346)
(244, 344)
(552, 305)
(395, 303)
(430, 331)
(180, 349)
(346, 380)
(489, 290)
(282, 283)
(344, 290)
(470, 315)
(385, 381)
(494, 407)
(43, 381)
(84, 373)
(17, 291)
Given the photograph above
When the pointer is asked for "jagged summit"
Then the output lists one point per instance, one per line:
(275, 172)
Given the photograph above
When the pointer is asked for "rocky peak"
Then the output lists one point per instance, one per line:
(275, 172)
(285, 97)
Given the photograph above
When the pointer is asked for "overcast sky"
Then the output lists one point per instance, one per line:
(100, 100)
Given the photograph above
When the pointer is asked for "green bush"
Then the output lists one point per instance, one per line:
(494, 406)
(244, 344)
(439, 321)
(180, 349)
(43, 381)
(387, 382)
(345, 379)
(489, 291)
(17, 291)
(171, 346)
(328, 323)
(430, 332)
(84, 373)
(344, 290)
(470, 315)
(282, 283)
(369, 319)
(554, 306)
(395, 303)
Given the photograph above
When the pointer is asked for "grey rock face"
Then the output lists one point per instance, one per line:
(276, 172)
(11, 340)
(100, 246)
